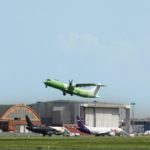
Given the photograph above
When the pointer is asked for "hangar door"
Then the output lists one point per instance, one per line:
(103, 117)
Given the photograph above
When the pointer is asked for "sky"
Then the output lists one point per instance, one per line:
(100, 41)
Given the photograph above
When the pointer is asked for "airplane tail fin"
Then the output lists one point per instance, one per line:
(81, 126)
(96, 89)
(29, 122)
(80, 123)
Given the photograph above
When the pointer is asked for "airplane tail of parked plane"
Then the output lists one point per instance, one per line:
(81, 126)
(29, 122)
(80, 123)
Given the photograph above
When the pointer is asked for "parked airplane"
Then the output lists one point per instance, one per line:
(41, 130)
(98, 131)
(77, 89)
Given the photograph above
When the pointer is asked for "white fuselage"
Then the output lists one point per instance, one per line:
(104, 130)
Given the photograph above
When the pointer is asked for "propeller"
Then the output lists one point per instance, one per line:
(71, 87)
(70, 83)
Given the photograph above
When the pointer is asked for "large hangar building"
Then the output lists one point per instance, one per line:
(12, 117)
(93, 113)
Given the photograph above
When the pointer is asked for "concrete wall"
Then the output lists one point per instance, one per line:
(57, 112)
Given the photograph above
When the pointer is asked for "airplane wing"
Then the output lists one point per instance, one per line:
(85, 84)
(56, 130)
(103, 133)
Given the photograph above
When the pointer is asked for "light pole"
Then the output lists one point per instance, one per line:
(133, 104)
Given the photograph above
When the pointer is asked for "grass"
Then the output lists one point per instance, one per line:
(75, 143)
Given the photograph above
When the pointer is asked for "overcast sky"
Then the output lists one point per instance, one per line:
(100, 41)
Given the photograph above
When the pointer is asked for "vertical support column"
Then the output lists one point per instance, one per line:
(133, 128)
(128, 123)
(95, 113)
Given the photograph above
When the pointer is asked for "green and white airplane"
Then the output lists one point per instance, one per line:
(77, 89)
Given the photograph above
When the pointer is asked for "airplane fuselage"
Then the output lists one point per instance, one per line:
(43, 130)
(72, 90)
(104, 130)
(99, 130)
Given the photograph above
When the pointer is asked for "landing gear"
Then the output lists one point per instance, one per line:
(64, 93)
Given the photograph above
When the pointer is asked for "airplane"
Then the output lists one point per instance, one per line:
(77, 89)
(41, 129)
(100, 131)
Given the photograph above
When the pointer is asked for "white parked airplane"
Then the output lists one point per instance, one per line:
(100, 130)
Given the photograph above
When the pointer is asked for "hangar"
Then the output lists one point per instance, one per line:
(93, 113)
(12, 117)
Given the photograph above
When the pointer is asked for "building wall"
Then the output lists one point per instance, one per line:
(89, 117)
(125, 119)
(4, 125)
(107, 117)
(57, 112)
(140, 125)
(102, 117)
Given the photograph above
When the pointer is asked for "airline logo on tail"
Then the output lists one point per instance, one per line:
(81, 126)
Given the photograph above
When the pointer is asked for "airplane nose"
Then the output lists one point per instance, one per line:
(46, 82)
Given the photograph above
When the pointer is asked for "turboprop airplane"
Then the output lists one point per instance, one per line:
(41, 130)
(77, 89)
(100, 131)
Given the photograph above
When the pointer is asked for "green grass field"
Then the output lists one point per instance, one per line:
(74, 143)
